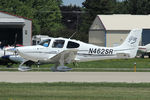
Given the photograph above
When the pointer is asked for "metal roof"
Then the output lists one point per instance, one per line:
(125, 21)
(15, 15)
(12, 20)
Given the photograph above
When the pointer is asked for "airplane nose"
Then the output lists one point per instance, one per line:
(23, 52)
(28, 53)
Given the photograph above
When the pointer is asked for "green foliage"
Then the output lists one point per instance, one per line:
(139, 6)
(70, 16)
(121, 8)
(119, 65)
(71, 19)
(45, 14)
(48, 15)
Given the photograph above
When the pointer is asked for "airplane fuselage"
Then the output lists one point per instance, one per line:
(85, 52)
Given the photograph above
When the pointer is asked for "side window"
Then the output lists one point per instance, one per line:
(45, 43)
(58, 44)
(72, 45)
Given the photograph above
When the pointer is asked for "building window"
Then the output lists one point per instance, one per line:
(26, 32)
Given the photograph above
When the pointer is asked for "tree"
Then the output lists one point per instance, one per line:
(45, 14)
(94, 7)
(139, 6)
(69, 16)
(70, 19)
(135, 7)
(49, 16)
(121, 7)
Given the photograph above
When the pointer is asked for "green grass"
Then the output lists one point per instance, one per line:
(116, 63)
(96, 65)
(74, 91)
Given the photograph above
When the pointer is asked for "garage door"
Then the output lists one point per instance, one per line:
(145, 36)
(10, 34)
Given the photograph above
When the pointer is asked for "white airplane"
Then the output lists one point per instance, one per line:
(144, 50)
(60, 51)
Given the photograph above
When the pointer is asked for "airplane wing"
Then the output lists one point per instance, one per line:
(66, 56)
(142, 49)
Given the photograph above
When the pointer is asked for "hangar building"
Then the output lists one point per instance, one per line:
(111, 30)
(15, 29)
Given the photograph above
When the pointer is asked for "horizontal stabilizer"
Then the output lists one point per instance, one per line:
(123, 55)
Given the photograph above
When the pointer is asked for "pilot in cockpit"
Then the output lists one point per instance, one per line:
(45, 44)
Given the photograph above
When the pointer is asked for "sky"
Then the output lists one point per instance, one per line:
(73, 2)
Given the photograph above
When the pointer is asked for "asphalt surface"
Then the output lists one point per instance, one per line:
(36, 77)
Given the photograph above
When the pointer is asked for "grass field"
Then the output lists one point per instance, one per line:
(74, 91)
(97, 65)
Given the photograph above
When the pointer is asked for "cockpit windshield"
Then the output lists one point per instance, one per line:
(58, 44)
(45, 43)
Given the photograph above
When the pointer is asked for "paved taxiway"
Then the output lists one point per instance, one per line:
(130, 77)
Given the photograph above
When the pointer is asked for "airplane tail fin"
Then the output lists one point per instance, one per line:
(130, 45)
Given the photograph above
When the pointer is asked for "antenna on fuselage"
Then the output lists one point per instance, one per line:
(72, 35)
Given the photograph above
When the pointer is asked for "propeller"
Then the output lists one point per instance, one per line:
(15, 44)
(12, 48)
(15, 40)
